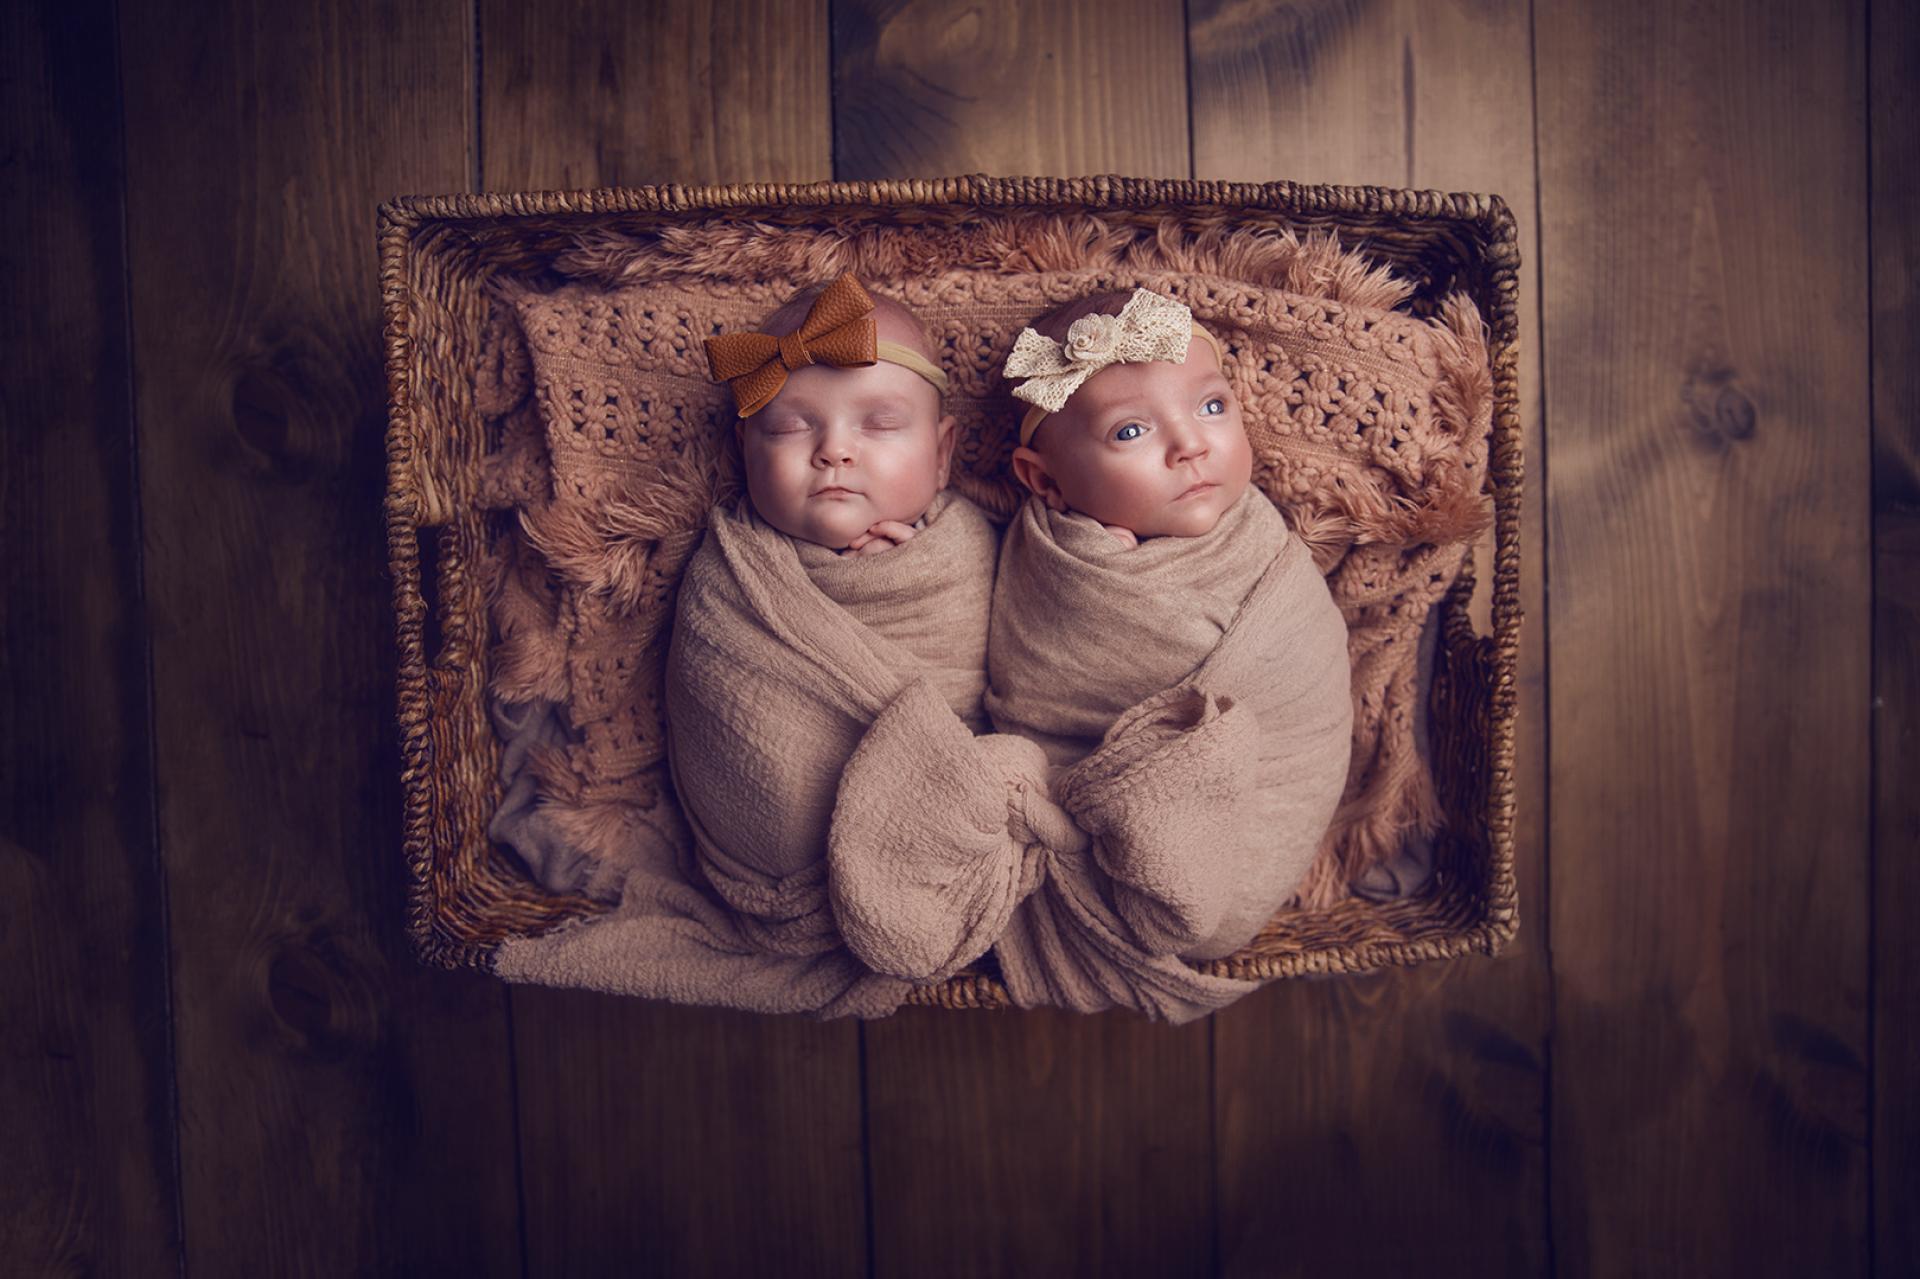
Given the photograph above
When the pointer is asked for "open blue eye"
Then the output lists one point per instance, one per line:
(1131, 431)
(1214, 407)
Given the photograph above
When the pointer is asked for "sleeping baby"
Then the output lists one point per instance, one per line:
(1145, 559)
(847, 572)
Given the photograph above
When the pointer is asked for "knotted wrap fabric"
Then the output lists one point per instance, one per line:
(1085, 628)
(839, 330)
(782, 655)
(1183, 719)
(945, 845)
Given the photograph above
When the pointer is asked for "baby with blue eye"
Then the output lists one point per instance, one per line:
(1132, 451)
(1141, 544)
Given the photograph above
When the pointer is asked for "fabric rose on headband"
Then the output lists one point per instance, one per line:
(1149, 327)
(1092, 337)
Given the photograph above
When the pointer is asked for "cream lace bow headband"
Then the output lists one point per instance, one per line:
(1149, 327)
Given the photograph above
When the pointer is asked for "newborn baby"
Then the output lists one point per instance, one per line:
(1144, 559)
(1150, 444)
(840, 429)
(847, 572)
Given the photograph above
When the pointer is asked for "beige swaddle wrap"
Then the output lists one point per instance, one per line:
(1101, 849)
(1086, 626)
(782, 655)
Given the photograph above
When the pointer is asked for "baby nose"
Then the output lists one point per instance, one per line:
(833, 450)
(1188, 445)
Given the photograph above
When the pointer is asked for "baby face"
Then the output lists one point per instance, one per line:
(841, 450)
(1156, 448)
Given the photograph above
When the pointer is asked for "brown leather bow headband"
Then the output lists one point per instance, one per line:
(839, 330)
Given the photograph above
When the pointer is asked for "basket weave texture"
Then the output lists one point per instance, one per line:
(445, 259)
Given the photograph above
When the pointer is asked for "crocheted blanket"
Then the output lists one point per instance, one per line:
(1369, 427)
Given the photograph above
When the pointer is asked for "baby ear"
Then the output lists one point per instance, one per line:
(944, 438)
(1031, 470)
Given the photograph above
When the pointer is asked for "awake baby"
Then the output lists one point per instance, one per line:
(1144, 558)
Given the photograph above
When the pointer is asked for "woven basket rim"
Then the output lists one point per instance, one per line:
(984, 991)
(402, 218)
(973, 190)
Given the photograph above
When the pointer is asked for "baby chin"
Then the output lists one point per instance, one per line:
(834, 518)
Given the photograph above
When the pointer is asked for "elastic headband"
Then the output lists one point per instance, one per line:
(908, 358)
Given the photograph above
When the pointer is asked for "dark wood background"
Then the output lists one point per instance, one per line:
(1702, 1055)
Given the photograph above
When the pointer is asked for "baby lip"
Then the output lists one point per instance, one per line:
(834, 490)
(1204, 486)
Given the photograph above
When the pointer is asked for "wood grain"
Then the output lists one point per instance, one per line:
(1039, 1143)
(588, 93)
(683, 1141)
(1007, 1142)
(1706, 359)
(1894, 89)
(923, 90)
(88, 1183)
(687, 1141)
(1413, 1100)
(343, 1110)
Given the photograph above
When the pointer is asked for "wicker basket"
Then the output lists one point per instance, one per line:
(436, 255)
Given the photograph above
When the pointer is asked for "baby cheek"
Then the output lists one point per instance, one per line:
(1234, 449)
(1146, 487)
(906, 451)
(773, 475)
(1114, 489)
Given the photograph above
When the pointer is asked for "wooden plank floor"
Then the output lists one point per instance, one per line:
(1702, 1054)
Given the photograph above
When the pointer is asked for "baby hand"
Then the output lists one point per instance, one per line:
(883, 536)
(1124, 534)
